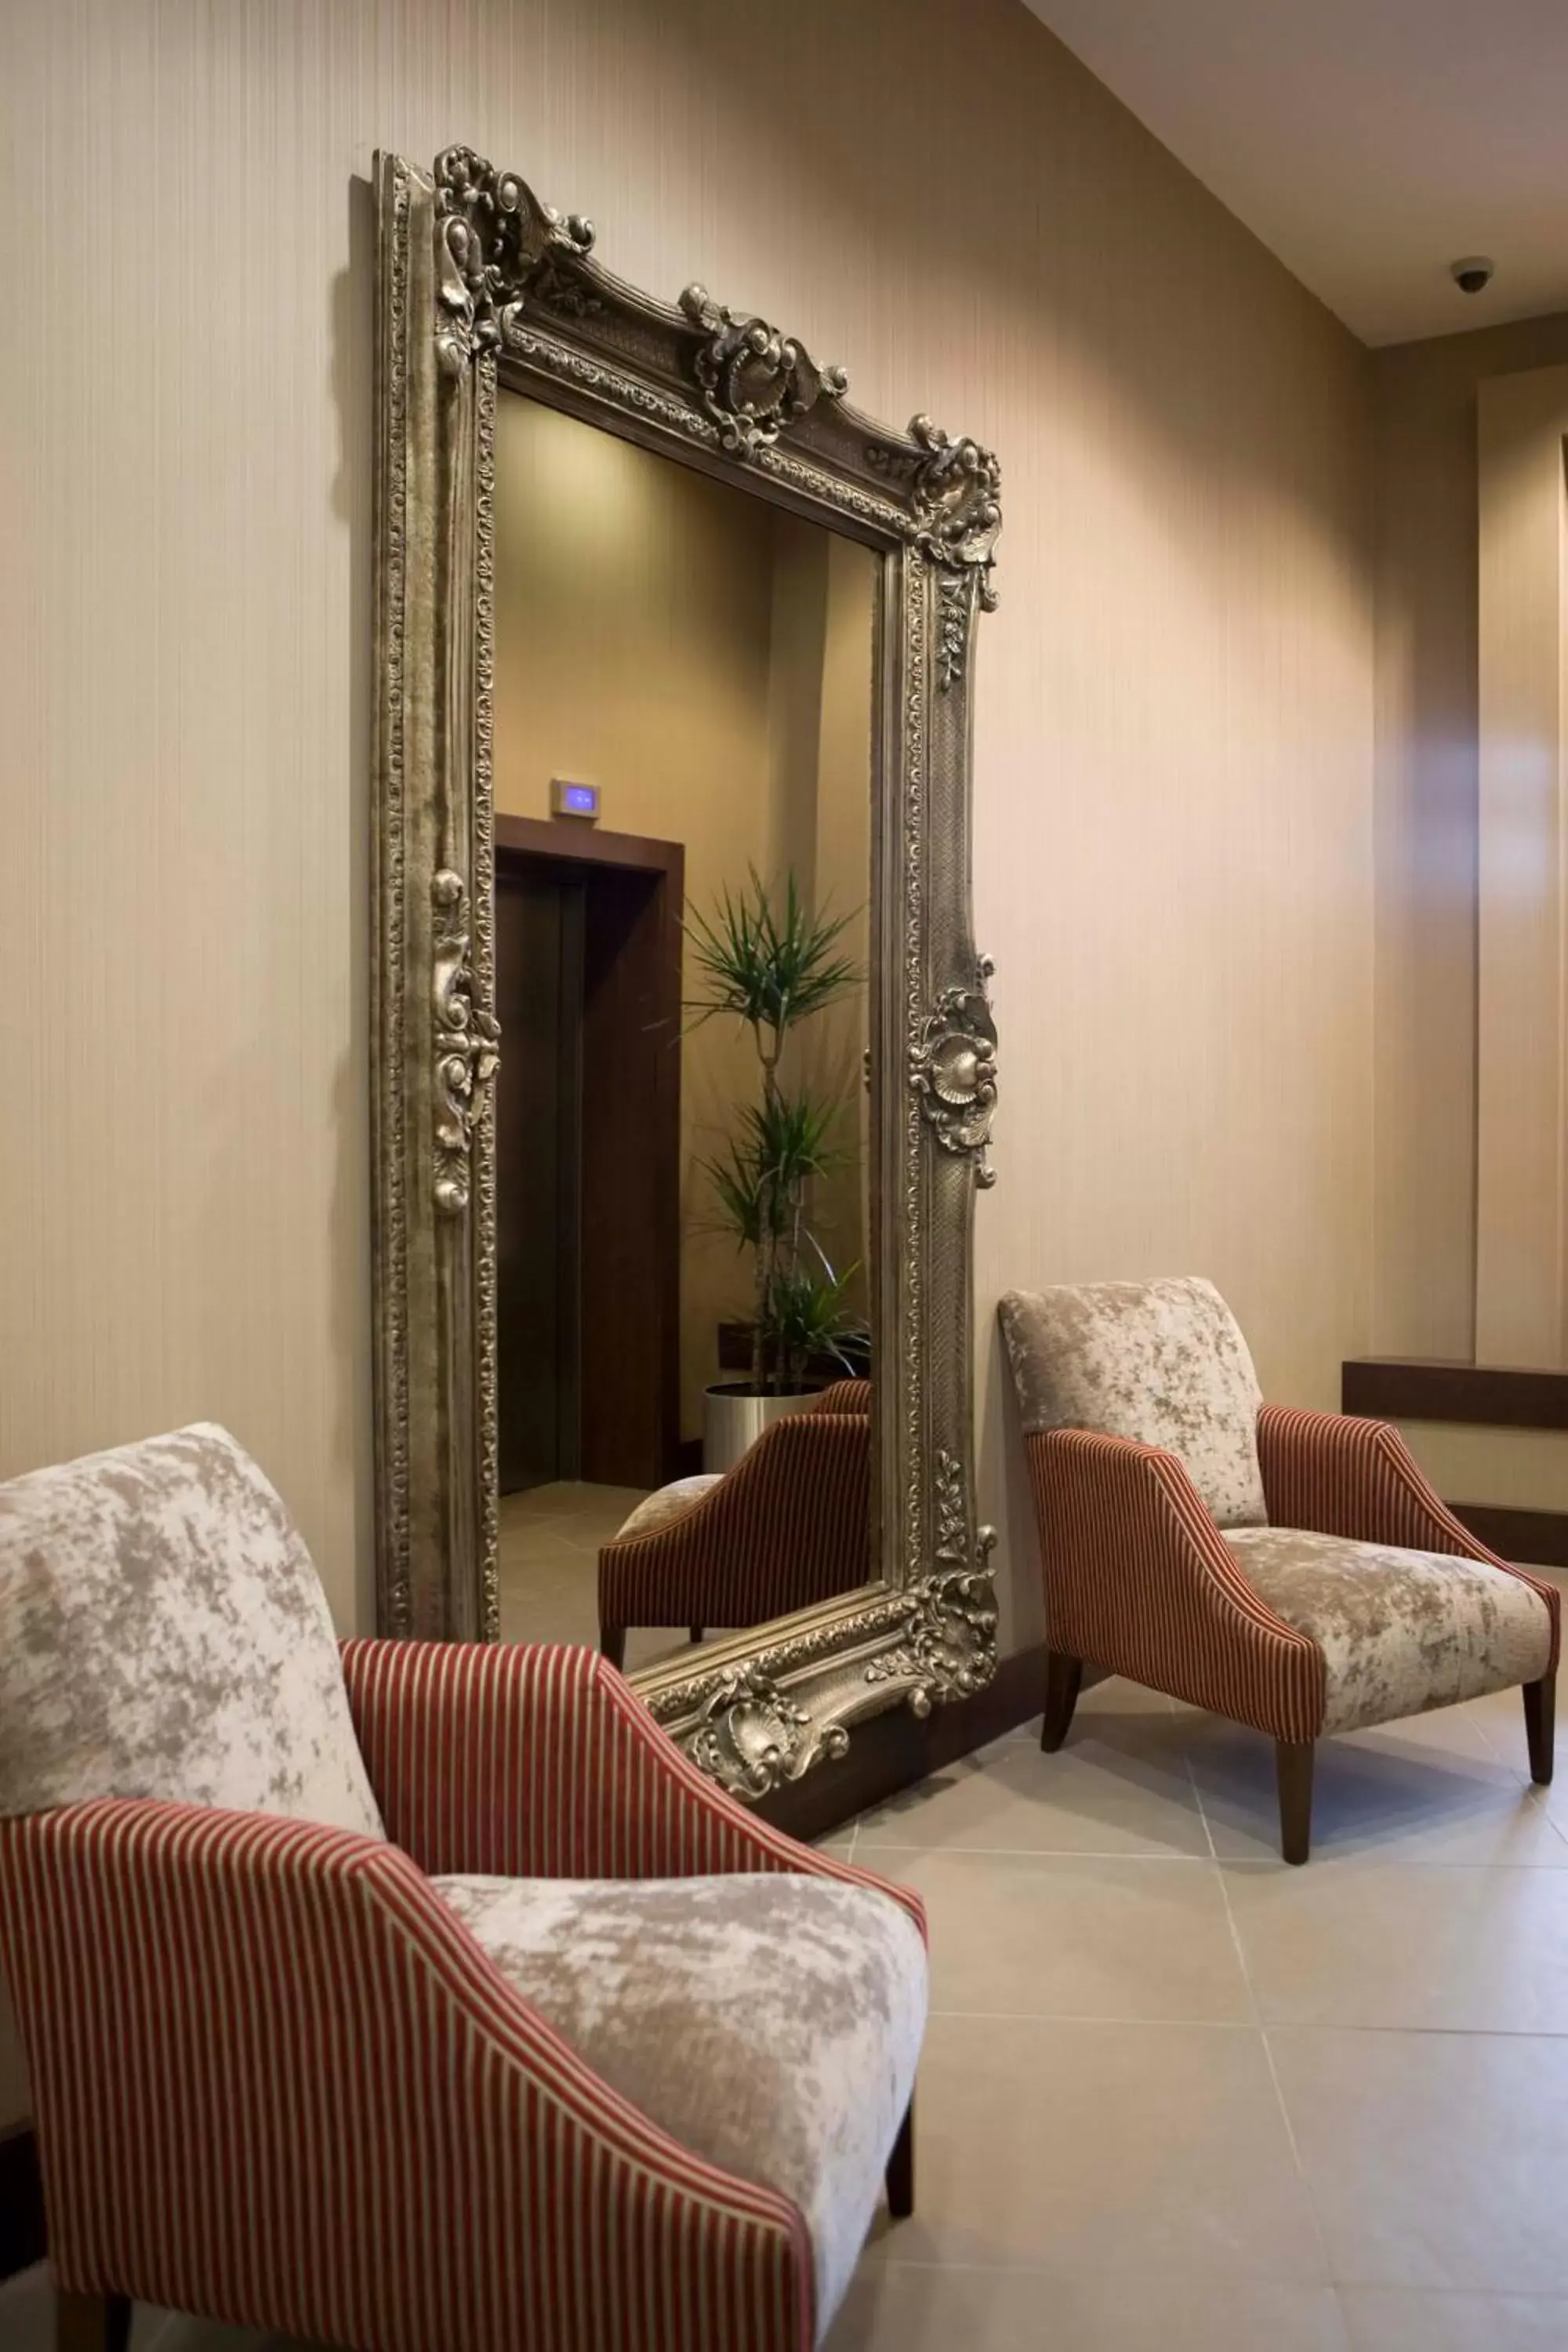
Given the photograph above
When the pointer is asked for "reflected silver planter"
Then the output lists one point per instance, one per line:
(734, 1417)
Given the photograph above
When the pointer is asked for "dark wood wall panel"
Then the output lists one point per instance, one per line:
(1493, 1396)
(1394, 1388)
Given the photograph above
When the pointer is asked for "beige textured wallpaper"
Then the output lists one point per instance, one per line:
(1174, 821)
(1427, 784)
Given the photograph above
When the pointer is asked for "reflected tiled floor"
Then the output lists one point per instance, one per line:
(1176, 2097)
(549, 1539)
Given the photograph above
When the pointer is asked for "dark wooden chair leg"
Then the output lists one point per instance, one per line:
(1539, 1726)
(1063, 1675)
(901, 2170)
(1293, 1760)
(91, 2323)
(613, 1643)
(696, 1632)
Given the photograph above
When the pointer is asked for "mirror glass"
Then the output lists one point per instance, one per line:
(683, 730)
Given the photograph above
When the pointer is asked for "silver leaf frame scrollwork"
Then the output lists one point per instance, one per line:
(482, 286)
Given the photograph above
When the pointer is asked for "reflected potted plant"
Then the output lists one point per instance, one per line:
(772, 967)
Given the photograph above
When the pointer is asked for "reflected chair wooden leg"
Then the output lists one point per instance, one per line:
(901, 2170)
(1293, 1764)
(91, 2323)
(1063, 1675)
(613, 1643)
(1539, 1726)
(696, 1632)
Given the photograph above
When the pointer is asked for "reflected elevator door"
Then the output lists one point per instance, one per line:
(539, 1176)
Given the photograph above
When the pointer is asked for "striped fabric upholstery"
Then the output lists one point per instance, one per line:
(790, 1525)
(1139, 1580)
(504, 1761)
(1340, 1476)
(278, 2084)
(845, 1396)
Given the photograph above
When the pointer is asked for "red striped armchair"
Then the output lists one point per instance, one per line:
(788, 1526)
(408, 1995)
(1293, 1570)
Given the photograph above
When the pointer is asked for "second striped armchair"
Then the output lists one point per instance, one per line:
(1293, 1570)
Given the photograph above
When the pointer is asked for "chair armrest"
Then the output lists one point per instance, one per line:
(1340, 1474)
(517, 1761)
(278, 2084)
(1139, 1580)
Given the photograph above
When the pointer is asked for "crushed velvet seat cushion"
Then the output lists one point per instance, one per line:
(1401, 1632)
(1162, 1363)
(667, 1503)
(164, 1634)
(770, 2022)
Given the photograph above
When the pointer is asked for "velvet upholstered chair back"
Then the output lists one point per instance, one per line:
(1163, 1362)
(164, 1634)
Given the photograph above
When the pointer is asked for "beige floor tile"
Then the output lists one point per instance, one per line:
(1501, 1717)
(1109, 1698)
(1435, 2161)
(896, 2309)
(1116, 2148)
(1122, 1787)
(27, 2311)
(1433, 1945)
(1071, 1935)
(1433, 1790)
(1383, 2319)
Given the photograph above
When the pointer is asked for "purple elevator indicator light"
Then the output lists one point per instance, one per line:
(568, 799)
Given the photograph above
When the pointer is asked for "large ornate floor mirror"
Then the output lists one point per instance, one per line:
(684, 1059)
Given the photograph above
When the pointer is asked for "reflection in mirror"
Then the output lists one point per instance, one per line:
(683, 1136)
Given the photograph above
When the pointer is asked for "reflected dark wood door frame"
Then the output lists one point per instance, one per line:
(629, 1240)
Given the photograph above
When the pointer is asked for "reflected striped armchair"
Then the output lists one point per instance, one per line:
(408, 1995)
(788, 1526)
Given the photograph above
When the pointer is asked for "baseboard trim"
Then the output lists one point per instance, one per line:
(22, 2238)
(1537, 1538)
(896, 1749)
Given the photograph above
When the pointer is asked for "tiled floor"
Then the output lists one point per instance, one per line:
(1178, 2098)
(549, 1550)
(1175, 2095)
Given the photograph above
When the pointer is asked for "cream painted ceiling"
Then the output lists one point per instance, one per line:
(1368, 143)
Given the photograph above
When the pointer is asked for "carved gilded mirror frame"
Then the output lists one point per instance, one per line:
(481, 285)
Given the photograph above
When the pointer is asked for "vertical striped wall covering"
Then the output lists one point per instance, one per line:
(788, 1526)
(278, 2084)
(1347, 1476)
(1138, 1579)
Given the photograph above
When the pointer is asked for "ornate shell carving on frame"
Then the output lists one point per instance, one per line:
(750, 1735)
(755, 382)
(498, 244)
(953, 1071)
(483, 287)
